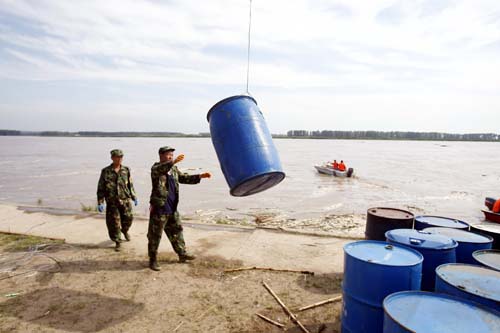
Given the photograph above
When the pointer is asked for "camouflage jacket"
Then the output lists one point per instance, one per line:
(159, 181)
(115, 187)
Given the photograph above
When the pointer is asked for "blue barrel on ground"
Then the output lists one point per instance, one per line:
(428, 221)
(476, 283)
(490, 229)
(424, 312)
(488, 258)
(468, 242)
(244, 146)
(436, 250)
(373, 270)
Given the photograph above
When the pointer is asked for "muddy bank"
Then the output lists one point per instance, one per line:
(341, 225)
(88, 289)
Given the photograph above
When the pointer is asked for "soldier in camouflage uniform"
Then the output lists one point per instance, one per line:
(115, 186)
(165, 178)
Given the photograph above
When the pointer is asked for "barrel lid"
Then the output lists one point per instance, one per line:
(460, 235)
(487, 226)
(489, 258)
(476, 280)
(421, 311)
(440, 221)
(383, 253)
(390, 213)
(420, 239)
(228, 99)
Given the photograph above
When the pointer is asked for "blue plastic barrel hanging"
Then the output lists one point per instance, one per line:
(244, 146)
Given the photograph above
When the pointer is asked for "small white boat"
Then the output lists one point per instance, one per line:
(327, 169)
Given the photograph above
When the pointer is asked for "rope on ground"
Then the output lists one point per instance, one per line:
(12, 263)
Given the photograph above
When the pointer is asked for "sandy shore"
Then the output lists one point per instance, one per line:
(265, 245)
(92, 288)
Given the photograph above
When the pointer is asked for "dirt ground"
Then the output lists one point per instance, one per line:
(69, 288)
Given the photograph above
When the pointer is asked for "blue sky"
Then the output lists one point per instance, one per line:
(123, 65)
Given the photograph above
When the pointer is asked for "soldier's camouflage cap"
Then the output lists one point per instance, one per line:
(116, 152)
(165, 149)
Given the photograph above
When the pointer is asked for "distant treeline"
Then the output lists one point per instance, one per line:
(102, 134)
(377, 135)
(300, 134)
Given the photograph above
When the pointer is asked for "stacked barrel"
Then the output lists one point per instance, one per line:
(455, 287)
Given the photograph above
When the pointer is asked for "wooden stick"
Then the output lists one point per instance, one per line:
(330, 300)
(266, 269)
(287, 311)
(271, 321)
(178, 326)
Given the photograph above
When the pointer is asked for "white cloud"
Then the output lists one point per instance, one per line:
(425, 49)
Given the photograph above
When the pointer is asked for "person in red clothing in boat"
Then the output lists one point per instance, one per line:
(496, 207)
(335, 165)
(342, 166)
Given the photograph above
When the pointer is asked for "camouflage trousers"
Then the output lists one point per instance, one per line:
(172, 226)
(119, 217)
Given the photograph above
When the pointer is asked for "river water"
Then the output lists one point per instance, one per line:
(439, 178)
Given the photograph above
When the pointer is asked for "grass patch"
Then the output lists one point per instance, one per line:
(211, 266)
(88, 208)
(222, 221)
(16, 242)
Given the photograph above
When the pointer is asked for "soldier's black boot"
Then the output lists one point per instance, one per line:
(185, 257)
(117, 246)
(153, 263)
(127, 236)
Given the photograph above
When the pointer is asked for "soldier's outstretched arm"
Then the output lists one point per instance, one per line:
(185, 178)
(161, 169)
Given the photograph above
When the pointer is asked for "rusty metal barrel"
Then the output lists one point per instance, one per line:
(379, 220)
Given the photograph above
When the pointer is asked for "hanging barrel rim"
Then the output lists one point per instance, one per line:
(433, 294)
(366, 241)
(412, 216)
(442, 278)
(228, 99)
(273, 173)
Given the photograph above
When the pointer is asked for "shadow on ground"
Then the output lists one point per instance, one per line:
(321, 283)
(92, 266)
(320, 328)
(70, 310)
